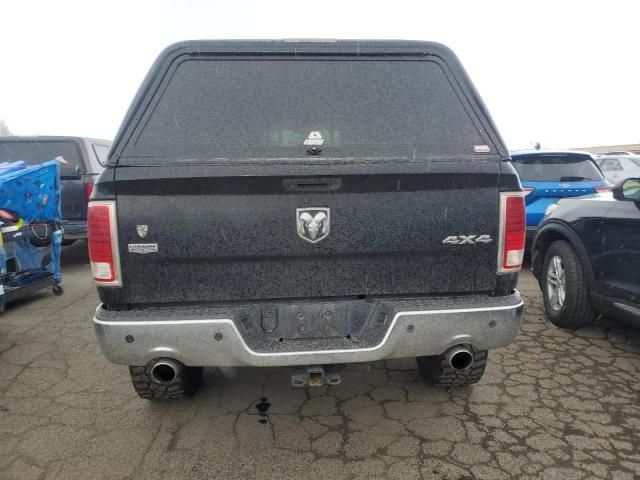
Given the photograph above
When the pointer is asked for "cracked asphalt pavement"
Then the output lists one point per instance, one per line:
(554, 405)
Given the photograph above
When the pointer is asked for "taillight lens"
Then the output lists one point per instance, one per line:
(512, 232)
(88, 190)
(103, 243)
(527, 190)
(606, 188)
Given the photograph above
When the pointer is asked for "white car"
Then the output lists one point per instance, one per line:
(619, 167)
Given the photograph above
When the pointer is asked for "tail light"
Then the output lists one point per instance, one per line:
(103, 243)
(88, 190)
(607, 188)
(527, 190)
(512, 232)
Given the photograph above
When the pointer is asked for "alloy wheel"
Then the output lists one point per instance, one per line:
(556, 283)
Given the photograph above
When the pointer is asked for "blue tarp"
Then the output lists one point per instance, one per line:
(32, 192)
(30, 257)
(6, 167)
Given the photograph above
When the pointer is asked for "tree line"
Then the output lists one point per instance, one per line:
(4, 129)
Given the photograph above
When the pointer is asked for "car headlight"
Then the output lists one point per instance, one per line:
(550, 209)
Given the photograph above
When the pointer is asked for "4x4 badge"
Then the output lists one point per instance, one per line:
(467, 239)
(313, 223)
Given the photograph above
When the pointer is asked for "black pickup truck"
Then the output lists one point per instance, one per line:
(305, 204)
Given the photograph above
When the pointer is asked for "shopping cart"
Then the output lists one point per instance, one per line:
(31, 235)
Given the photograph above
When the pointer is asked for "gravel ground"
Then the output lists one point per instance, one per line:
(554, 405)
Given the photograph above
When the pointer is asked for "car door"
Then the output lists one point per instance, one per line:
(619, 268)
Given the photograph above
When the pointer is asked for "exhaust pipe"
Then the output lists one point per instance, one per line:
(460, 358)
(166, 370)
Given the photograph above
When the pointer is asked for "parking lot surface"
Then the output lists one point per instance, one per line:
(554, 405)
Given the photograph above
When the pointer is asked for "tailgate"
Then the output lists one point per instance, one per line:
(266, 237)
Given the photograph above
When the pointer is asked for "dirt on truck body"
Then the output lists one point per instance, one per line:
(305, 204)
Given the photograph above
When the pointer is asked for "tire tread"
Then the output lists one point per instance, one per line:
(436, 371)
(185, 385)
(577, 311)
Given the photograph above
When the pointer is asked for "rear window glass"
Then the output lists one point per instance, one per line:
(270, 108)
(101, 152)
(635, 161)
(555, 168)
(36, 152)
(610, 165)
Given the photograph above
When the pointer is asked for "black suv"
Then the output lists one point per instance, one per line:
(586, 257)
(81, 161)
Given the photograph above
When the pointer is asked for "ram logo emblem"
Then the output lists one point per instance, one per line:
(313, 223)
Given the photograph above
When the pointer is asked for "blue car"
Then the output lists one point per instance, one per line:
(548, 176)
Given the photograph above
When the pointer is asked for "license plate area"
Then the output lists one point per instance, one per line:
(294, 326)
(318, 320)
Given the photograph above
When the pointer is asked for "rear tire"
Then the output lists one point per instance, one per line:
(435, 370)
(574, 309)
(185, 384)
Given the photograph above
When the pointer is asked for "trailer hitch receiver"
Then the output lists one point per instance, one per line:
(314, 376)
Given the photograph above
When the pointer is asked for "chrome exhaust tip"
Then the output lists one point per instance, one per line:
(459, 358)
(166, 370)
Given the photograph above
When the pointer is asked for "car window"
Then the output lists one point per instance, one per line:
(36, 152)
(101, 152)
(271, 108)
(615, 153)
(635, 162)
(556, 168)
(610, 165)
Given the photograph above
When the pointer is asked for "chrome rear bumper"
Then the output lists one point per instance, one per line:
(484, 322)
